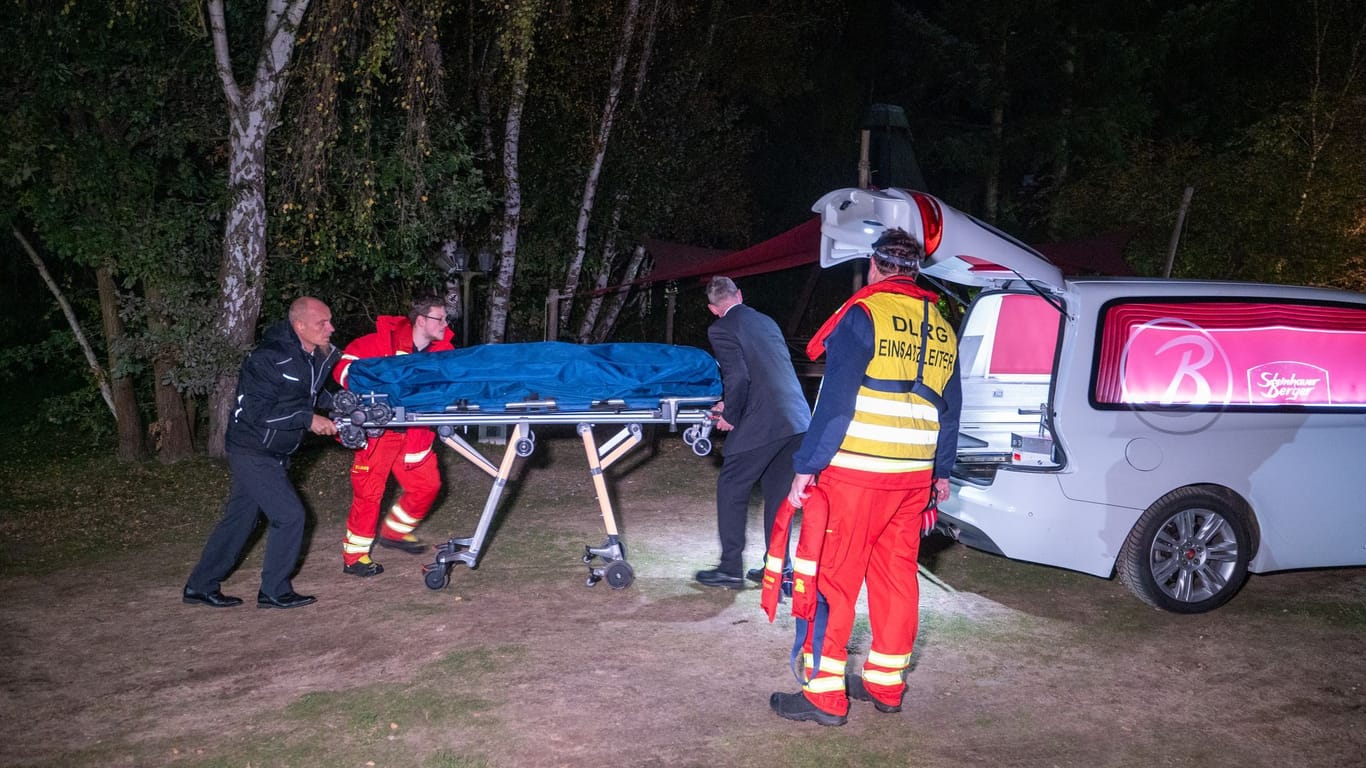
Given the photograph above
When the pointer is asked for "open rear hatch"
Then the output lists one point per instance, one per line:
(1009, 338)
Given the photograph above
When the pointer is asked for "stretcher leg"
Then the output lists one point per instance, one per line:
(612, 553)
(466, 550)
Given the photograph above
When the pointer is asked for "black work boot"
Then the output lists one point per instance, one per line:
(795, 706)
(853, 685)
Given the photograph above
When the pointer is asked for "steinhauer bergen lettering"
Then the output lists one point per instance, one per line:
(1291, 387)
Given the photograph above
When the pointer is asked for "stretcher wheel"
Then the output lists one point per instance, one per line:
(345, 400)
(525, 447)
(381, 413)
(701, 446)
(351, 436)
(437, 577)
(690, 436)
(619, 574)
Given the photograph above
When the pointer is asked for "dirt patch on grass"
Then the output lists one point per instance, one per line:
(517, 663)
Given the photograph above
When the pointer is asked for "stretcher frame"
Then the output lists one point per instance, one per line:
(359, 414)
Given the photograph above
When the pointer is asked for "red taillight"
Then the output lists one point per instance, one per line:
(932, 219)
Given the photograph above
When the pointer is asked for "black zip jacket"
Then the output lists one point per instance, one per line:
(277, 390)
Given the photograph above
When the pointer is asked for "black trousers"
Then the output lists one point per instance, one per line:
(260, 483)
(770, 466)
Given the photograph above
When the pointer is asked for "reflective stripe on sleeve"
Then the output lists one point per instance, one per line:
(346, 369)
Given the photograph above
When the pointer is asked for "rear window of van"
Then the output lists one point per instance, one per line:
(1230, 354)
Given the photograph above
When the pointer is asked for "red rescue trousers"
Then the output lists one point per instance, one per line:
(873, 534)
(417, 474)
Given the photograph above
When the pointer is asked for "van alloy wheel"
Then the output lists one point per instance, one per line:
(1189, 552)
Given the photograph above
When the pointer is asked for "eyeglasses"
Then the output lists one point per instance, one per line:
(442, 320)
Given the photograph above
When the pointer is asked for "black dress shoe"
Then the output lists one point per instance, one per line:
(755, 575)
(214, 599)
(413, 547)
(287, 600)
(795, 706)
(853, 686)
(714, 577)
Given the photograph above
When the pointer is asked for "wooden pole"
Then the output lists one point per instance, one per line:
(671, 302)
(865, 171)
(1176, 231)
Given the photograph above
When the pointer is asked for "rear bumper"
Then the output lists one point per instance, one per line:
(967, 534)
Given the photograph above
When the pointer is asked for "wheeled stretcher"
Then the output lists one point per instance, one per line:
(625, 385)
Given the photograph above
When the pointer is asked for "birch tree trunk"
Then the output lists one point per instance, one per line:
(647, 47)
(251, 117)
(609, 318)
(517, 48)
(602, 276)
(590, 184)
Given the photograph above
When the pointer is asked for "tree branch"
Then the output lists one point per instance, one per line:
(223, 62)
(100, 375)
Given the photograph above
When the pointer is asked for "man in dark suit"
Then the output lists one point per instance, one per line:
(766, 415)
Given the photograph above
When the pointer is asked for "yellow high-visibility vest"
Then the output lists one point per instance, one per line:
(895, 427)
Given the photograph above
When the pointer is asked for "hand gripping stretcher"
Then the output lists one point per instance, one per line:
(523, 385)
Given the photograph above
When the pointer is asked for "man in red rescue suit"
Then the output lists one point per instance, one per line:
(882, 440)
(406, 453)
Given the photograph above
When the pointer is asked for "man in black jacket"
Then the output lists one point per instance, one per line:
(766, 416)
(278, 388)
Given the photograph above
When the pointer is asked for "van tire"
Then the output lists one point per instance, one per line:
(1189, 551)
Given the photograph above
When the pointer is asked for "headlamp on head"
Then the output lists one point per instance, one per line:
(897, 247)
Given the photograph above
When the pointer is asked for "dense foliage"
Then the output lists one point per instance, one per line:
(1054, 119)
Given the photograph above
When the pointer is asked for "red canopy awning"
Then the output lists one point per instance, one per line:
(1102, 255)
(793, 248)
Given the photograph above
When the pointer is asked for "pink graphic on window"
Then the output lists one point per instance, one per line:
(1228, 359)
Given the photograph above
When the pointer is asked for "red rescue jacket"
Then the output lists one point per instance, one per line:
(393, 336)
(806, 560)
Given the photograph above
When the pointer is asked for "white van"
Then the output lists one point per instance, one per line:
(1182, 433)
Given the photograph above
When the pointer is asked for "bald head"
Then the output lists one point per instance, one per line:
(312, 322)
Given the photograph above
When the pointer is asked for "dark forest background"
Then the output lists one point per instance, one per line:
(713, 123)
